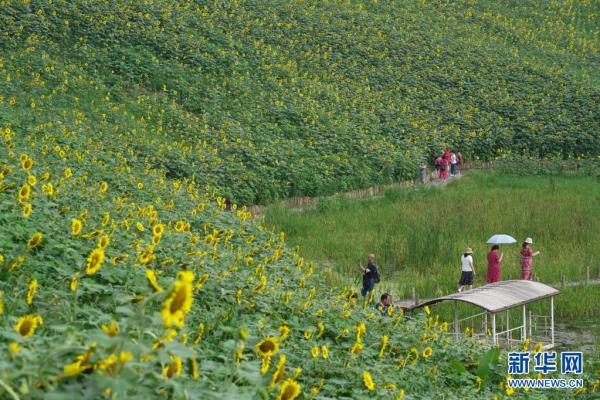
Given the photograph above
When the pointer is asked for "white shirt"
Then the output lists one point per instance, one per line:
(453, 159)
(466, 262)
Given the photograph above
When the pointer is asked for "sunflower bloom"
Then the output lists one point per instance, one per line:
(179, 302)
(357, 348)
(103, 242)
(174, 368)
(368, 381)
(158, 229)
(35, 240)
(427, 352)
(76, 226)
(27, 208)
(74, 282)
(324, 352)
(279, 371)
(289, 390)
(152, 279)
(112, 329)
(194, 370)
(314, 351)
(27, 324)
(284, 331)
(413, 356)
(268, 347)
(103, 187)
(24, 193)
(14, 347)
(94, 261)
(33, 286)
(384, 341)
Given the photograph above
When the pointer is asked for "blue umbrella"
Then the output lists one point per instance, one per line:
(501, 239)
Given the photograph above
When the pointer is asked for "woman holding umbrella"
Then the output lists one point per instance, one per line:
(527, 259)
(494, 258)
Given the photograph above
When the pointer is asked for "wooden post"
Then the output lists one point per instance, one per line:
(494, 338)
(552, 319)
(587, 274)
(562, 280)
(414, 296)
(524, 330)
(456, 325)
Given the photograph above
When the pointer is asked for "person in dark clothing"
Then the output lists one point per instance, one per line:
(370, 275)
(384, 303)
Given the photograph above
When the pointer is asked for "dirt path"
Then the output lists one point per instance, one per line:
(373, 192)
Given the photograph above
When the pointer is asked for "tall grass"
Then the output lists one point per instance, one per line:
(419, 234)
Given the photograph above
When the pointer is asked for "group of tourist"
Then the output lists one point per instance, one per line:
(494, 259)
(449, 162)
(371, 276)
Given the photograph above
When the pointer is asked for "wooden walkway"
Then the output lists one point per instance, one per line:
(411, 304)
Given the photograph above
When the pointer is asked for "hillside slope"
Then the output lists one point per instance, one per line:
(275, 99)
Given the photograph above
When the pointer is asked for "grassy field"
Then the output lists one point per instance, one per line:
(419, 234)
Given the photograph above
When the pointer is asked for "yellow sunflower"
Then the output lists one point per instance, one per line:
(27, 208)
(33, 285)
(112, 329)
(35, 240)
(268, 347)
(158, 229)
(179, 302)
(174, 368)
(279, 371)
(24, 193)
(27, 324)
(427, 352)
(76, 226)
(94, 261)
(289, 390)
(152, 279)
(368, 381)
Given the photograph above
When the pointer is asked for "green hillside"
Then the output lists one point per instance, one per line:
(274, 99)
(124, 124)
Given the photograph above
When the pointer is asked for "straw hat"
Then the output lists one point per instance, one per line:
(529, 240)
(468, 250)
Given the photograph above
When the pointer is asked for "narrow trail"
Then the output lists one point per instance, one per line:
(373, 192)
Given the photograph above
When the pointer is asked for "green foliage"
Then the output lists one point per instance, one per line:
(280, 98)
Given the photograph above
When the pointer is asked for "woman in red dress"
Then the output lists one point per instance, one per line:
(444, 170)
(494, 259)
(527, 259)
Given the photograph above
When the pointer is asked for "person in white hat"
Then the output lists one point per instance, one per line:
(527, 255)
(468, 271)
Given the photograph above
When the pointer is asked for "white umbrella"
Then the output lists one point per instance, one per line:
(501, 239)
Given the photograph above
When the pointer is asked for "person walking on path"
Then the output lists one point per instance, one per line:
(468, 271)
(453, 164)
(459, 165)
(444, 169)
(439, 163)
(494, 258)
(423, 172)
(370, 275)
(527, 255)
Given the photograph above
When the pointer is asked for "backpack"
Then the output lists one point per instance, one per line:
(377, 276)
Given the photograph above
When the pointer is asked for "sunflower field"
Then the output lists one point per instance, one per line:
(123, 273)
(271, 99)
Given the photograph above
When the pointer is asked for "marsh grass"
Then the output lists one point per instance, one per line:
(418, 234)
